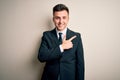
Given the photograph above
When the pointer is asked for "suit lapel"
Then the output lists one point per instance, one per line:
(68, 34)
(54, 35)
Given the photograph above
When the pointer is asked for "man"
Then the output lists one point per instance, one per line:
(62, 49)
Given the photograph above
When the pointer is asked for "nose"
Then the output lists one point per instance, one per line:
(61, 20)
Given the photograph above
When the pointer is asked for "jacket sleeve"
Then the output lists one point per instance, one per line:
(45, 52)
(80, 59)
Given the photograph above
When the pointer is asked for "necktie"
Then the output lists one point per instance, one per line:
(60, 38)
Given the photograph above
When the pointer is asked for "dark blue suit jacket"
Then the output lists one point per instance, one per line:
(69, 65)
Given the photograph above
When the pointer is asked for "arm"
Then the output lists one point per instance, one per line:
(45, 52)
(80, 59)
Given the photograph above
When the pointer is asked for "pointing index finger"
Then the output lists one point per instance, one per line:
(72, 38)
(64, 38)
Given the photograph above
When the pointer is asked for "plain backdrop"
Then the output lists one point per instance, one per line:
(22, 23)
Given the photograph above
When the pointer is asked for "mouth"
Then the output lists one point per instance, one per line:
(60, 25)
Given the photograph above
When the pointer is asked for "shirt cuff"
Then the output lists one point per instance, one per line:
(61, 49)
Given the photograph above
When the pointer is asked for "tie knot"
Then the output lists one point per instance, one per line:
(60, 34)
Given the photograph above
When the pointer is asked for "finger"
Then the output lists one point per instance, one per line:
(64, 38)
(72, 38)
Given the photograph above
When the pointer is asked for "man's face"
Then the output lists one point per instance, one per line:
(60, 19)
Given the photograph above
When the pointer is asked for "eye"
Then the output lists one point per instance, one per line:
(64, 17)
(56, 17)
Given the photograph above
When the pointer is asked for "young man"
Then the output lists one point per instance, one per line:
(62, 49)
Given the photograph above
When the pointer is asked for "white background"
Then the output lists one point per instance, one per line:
(22, 23)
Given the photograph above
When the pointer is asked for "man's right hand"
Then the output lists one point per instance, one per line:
(67, 44)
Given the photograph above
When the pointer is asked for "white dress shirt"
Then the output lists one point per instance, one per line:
(63, 34)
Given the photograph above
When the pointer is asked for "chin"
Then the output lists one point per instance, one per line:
(60, 29)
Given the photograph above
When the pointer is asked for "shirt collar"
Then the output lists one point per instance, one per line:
(63, 32)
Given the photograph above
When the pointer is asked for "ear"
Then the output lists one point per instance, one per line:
(68, 17)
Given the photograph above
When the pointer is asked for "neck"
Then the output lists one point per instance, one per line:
(61, 30)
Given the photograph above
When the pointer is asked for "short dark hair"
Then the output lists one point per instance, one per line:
(60, 7)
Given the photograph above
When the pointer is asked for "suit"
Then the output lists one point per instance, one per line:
(69, 65)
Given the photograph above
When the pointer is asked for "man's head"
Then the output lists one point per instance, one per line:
(60, 16)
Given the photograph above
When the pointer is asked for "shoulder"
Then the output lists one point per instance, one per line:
(49, 32)
(74, 33)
